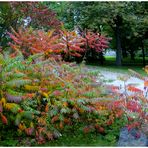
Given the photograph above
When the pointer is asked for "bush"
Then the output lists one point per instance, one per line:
(69, 45)
(40, 97)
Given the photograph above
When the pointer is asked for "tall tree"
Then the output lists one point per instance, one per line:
(135, 31)
(123, 20)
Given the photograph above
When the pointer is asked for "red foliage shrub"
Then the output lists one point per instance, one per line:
(72, 44)
(35, 41)
(96, 42)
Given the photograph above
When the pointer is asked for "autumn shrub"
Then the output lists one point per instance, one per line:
(30, 42)
(67, 44)
(89, 46)
(134, 102)
(95, 45)
(41, 97)
(72, 45)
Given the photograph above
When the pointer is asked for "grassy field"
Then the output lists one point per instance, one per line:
(110, 65)
(110, 60)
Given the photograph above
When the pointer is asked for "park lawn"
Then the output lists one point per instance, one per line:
(136, 65)
(109, 65)
(119, 69)
(138, 60)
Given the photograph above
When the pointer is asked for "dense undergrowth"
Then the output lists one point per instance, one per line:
(40, 98)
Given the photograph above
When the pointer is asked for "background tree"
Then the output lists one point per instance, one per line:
(66, 12)
(36, 14)
(124, 21)
(6, 20)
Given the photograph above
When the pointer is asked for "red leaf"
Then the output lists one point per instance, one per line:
(101, 130)
(134, 89)
(29, 131)
(1, 108)
(4, 119)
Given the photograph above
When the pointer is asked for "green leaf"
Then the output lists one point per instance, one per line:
(15, 109)
(64, 111)
(18, 82)
(18, 119)
(27, 115)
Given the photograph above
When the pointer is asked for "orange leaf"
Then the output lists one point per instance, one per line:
(49, 135)
(101, 130)
(46, 108)
(61, 125)
(133, 89)
(65, 104)
(4, 119)
(54, 119)
(67, 121)
(86, 130)
(145, 83)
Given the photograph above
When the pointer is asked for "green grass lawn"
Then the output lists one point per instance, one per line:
(110, 65)
(109, 60)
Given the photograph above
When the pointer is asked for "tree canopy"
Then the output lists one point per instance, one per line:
(125, 21)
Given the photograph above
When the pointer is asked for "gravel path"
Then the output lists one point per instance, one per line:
(112, 78)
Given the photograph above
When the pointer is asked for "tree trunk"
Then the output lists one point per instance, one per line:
(143, 53)
(118, 45)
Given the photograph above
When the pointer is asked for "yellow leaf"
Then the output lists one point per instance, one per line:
(3, 101)
(29, 87)
(50, 33)
(45, 94)
(31, 124)
(22, 126)
(49, 92)
(10, 105)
